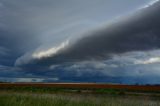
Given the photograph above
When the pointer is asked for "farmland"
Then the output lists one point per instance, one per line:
(78, 94)
(82, 86)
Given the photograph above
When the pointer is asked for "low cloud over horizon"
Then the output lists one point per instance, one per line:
(107, 44)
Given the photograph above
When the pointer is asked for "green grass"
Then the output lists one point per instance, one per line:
(9, 98)
(73, 90)
(57, 90)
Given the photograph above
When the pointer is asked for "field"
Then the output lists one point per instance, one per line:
(69, 94)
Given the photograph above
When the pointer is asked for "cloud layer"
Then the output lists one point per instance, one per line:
(80, 41)
(138, 32)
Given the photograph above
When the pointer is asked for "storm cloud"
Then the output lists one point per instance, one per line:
(80, 41)
(136, 32)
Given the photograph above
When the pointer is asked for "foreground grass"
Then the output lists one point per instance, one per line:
(72, 99)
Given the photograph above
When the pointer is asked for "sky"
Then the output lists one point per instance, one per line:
(103, 41)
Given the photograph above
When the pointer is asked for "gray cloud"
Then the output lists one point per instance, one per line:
(27, 25)
(79, 41)
(138, 32)
(3, 51)
(6, 79)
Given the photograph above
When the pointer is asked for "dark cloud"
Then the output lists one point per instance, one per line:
(31, 33)
(14, 44)
(3, 51)
(138, 32)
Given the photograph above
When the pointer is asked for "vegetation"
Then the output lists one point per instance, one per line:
(60, 90)
(46, 95)
(78, 88)
(37, 99)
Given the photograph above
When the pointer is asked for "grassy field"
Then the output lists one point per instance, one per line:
(72, 99)
(78, 95)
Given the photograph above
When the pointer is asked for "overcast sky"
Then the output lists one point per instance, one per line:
(115, 41)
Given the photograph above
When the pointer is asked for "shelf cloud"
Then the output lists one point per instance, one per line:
(116, 41)
(137, 32)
